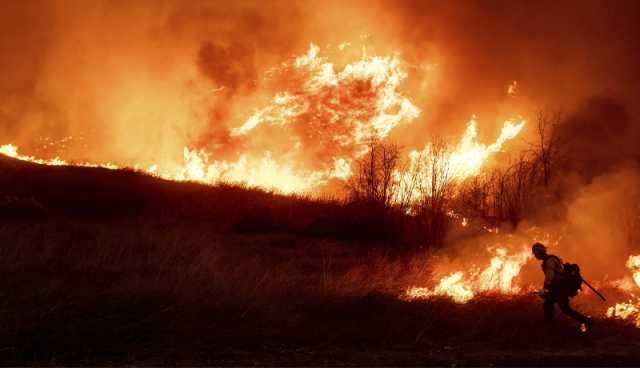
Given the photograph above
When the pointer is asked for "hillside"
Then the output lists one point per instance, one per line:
(72, 190)
(116, 267)
(28, 189)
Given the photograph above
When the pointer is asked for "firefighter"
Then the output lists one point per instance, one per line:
(555, 290)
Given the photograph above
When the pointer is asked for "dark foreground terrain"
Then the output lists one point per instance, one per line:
(100, 267)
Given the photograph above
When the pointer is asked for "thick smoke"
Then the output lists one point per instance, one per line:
(134, 81)
(600, 134)
(603, 222)
(560, 53)
(596, 213)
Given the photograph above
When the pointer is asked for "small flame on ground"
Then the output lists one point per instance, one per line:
(631, 309)
(12, 151)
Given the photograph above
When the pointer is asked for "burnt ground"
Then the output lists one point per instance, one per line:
(94, 271)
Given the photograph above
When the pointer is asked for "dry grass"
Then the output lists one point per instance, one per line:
(104, 267)
(106, 292)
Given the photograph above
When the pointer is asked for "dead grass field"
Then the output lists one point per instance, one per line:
(149, 287)
(136, 292)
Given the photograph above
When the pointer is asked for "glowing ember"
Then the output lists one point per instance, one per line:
(498, 277)
(513, 88)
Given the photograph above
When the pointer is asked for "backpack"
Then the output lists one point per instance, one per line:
(571, 281)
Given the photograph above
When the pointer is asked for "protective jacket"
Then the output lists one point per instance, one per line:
(553, 272)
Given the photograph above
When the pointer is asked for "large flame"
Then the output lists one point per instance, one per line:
(498, 277)
(318, 122)
(462, 162)
(469, 156)
(343, 109)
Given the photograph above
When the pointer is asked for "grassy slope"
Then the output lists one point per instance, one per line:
(124, 268)
(124, 193)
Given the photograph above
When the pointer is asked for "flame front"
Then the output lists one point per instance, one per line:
(498, 277)
(11, 150)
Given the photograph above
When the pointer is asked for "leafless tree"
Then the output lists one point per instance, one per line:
(374, 180)
(474, 196)
(547, 146)
(513, 189)
(437, 188)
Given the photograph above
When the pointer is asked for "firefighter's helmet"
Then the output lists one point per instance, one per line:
(538, 248)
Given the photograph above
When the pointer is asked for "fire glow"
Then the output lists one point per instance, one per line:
(630, 310)
(325, 119)
(322, 119)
